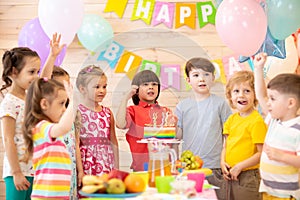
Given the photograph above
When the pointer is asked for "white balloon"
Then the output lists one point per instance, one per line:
(61, 16)
(275, 66)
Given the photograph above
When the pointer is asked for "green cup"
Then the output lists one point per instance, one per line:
(162, 183)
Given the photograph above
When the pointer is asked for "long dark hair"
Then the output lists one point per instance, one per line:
(39, 89)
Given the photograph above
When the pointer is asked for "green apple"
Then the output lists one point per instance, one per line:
(115, 186)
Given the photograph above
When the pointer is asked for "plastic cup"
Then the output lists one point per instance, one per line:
(198, 178)
(162, 183)
(144, 175)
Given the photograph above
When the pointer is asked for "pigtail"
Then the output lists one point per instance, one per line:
(7, 70)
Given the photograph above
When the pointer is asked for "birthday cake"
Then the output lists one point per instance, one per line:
(162, 125)
(165, 132)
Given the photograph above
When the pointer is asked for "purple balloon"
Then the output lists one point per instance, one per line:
(61, 56)
(33, 36)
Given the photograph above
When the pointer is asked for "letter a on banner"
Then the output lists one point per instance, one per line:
(163, 13)
(128, 63)
(170, 76)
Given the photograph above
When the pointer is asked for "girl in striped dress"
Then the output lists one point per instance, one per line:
(46, 121)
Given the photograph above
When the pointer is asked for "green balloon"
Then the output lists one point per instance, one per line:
(95, 33)
(283, 17)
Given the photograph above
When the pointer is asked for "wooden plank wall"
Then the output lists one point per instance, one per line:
(159, 44)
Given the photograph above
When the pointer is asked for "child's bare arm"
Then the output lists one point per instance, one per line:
(224, 166)
(79, 166)
(8, 125)
(253, 160)
(114, 141)
(259, 82)
(66, 121)
(281, 156)
(121, 114)
(179, 137)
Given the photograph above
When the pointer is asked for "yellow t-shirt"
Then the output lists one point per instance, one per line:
(243, 135)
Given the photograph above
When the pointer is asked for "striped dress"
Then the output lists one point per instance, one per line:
(52, 165)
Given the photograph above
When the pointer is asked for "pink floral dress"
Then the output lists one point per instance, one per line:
(95, 145)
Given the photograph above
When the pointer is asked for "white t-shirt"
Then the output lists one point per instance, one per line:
(13, 106)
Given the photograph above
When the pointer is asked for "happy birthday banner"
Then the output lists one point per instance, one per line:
(157, 12)
(123, 61)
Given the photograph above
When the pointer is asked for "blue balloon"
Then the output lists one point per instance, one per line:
(273, 47)
(95, 33)
(283, 17)
(218, 2)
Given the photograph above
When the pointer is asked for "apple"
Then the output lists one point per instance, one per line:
(115, 186)
(115, 173)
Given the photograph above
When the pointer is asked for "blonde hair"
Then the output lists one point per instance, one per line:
(87, 74)
(238, 78)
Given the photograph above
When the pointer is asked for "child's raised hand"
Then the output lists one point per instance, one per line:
(55, 48)
(260, 60)
(69, 89)
(132, 91)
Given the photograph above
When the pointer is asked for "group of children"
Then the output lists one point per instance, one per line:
(259, 158)
(51, 141)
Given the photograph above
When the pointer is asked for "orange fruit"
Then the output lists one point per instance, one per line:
(134, 183)
(199, 160)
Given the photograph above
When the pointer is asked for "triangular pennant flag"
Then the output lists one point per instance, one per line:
(118, 8)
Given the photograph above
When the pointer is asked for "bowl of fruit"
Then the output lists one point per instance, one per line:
(117, 184)
(191, 163)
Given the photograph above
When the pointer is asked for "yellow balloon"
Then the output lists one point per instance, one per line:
(275, 66)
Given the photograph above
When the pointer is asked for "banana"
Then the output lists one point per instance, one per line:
(91, 188)
(206, 171)
(92, 180)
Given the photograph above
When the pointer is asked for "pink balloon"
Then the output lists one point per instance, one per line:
(241, 25)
